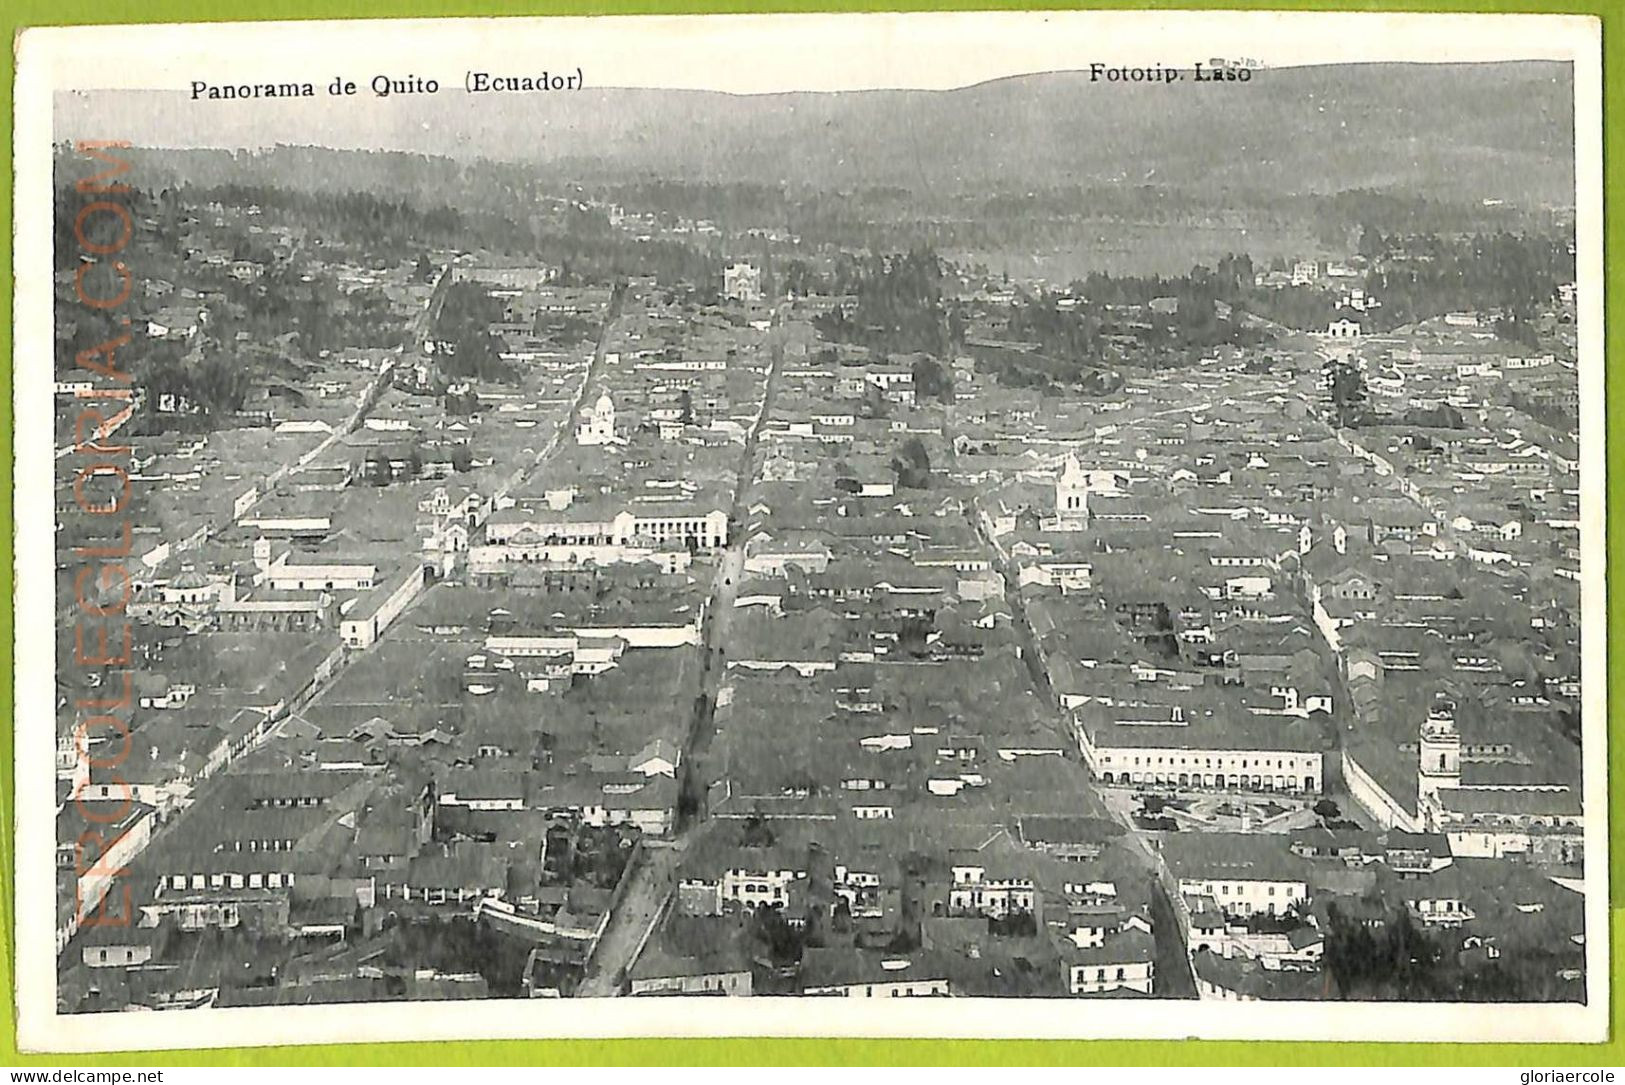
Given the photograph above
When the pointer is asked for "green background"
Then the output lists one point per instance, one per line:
(22, 13)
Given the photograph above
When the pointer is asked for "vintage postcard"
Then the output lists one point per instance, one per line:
(977, 525)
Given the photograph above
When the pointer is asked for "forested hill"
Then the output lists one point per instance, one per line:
(1448, 132)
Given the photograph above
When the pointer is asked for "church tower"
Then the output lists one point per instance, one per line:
(1440, 755)
(597, 425)
(1072, 492)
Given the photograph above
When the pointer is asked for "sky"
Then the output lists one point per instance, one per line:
(752, 54)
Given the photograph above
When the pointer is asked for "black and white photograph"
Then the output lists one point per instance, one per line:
(1018, 519)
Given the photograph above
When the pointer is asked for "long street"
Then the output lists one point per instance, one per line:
(654, 877)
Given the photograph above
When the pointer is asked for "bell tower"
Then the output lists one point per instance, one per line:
(1072, 492)
(1439, 768)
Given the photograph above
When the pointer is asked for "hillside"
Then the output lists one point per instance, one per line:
(1441, 131)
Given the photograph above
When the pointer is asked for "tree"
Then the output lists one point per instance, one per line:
(1373, 246)
(899, 304)
(465, 321)
(1327, 810)
(685, 407)
(463, 402)
(375, 468)
(906, 939)
(912, 465)
(756, 833)
(1014, 925)
(800, 280)
(689, 797)
(783, 942)
(1517, 329)
(874, 401)
(425, 268)
(1346, 385)
(462, 459)
(932, 380)
(1395, 961)
(1518, 663)
(1443, 416)
(841, 917)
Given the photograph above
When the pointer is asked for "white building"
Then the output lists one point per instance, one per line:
(742, 282)
(973, 892)
(576, 526)
(98, 866)
(1439, 756)
(1072, 494)
(1240, 874)
(1125, 961)
(283, 574)
(596, 425)
(1157, 745)
(844, 973)
(372, 613)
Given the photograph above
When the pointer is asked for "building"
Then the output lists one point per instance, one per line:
(97, 840)
(719, 973)
(1163, 745)
(975, 892)
(1072, 495)
(1123, 962)
(595, 530)
(369, 616)
(514, 277)
(1246, 979)
(1439, 751)
(852, 973)
(721, 877)
(1236, 874)
(742, 282)
(282, 573)
(596, 424)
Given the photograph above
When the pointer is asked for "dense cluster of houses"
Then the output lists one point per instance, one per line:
(931, 686)
(480, 693)
(876, 729)
(1198, 610)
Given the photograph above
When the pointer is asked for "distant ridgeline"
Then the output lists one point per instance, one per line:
(1437, 130)
(1431, 137)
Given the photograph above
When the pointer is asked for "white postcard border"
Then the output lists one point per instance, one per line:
(57, 58)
